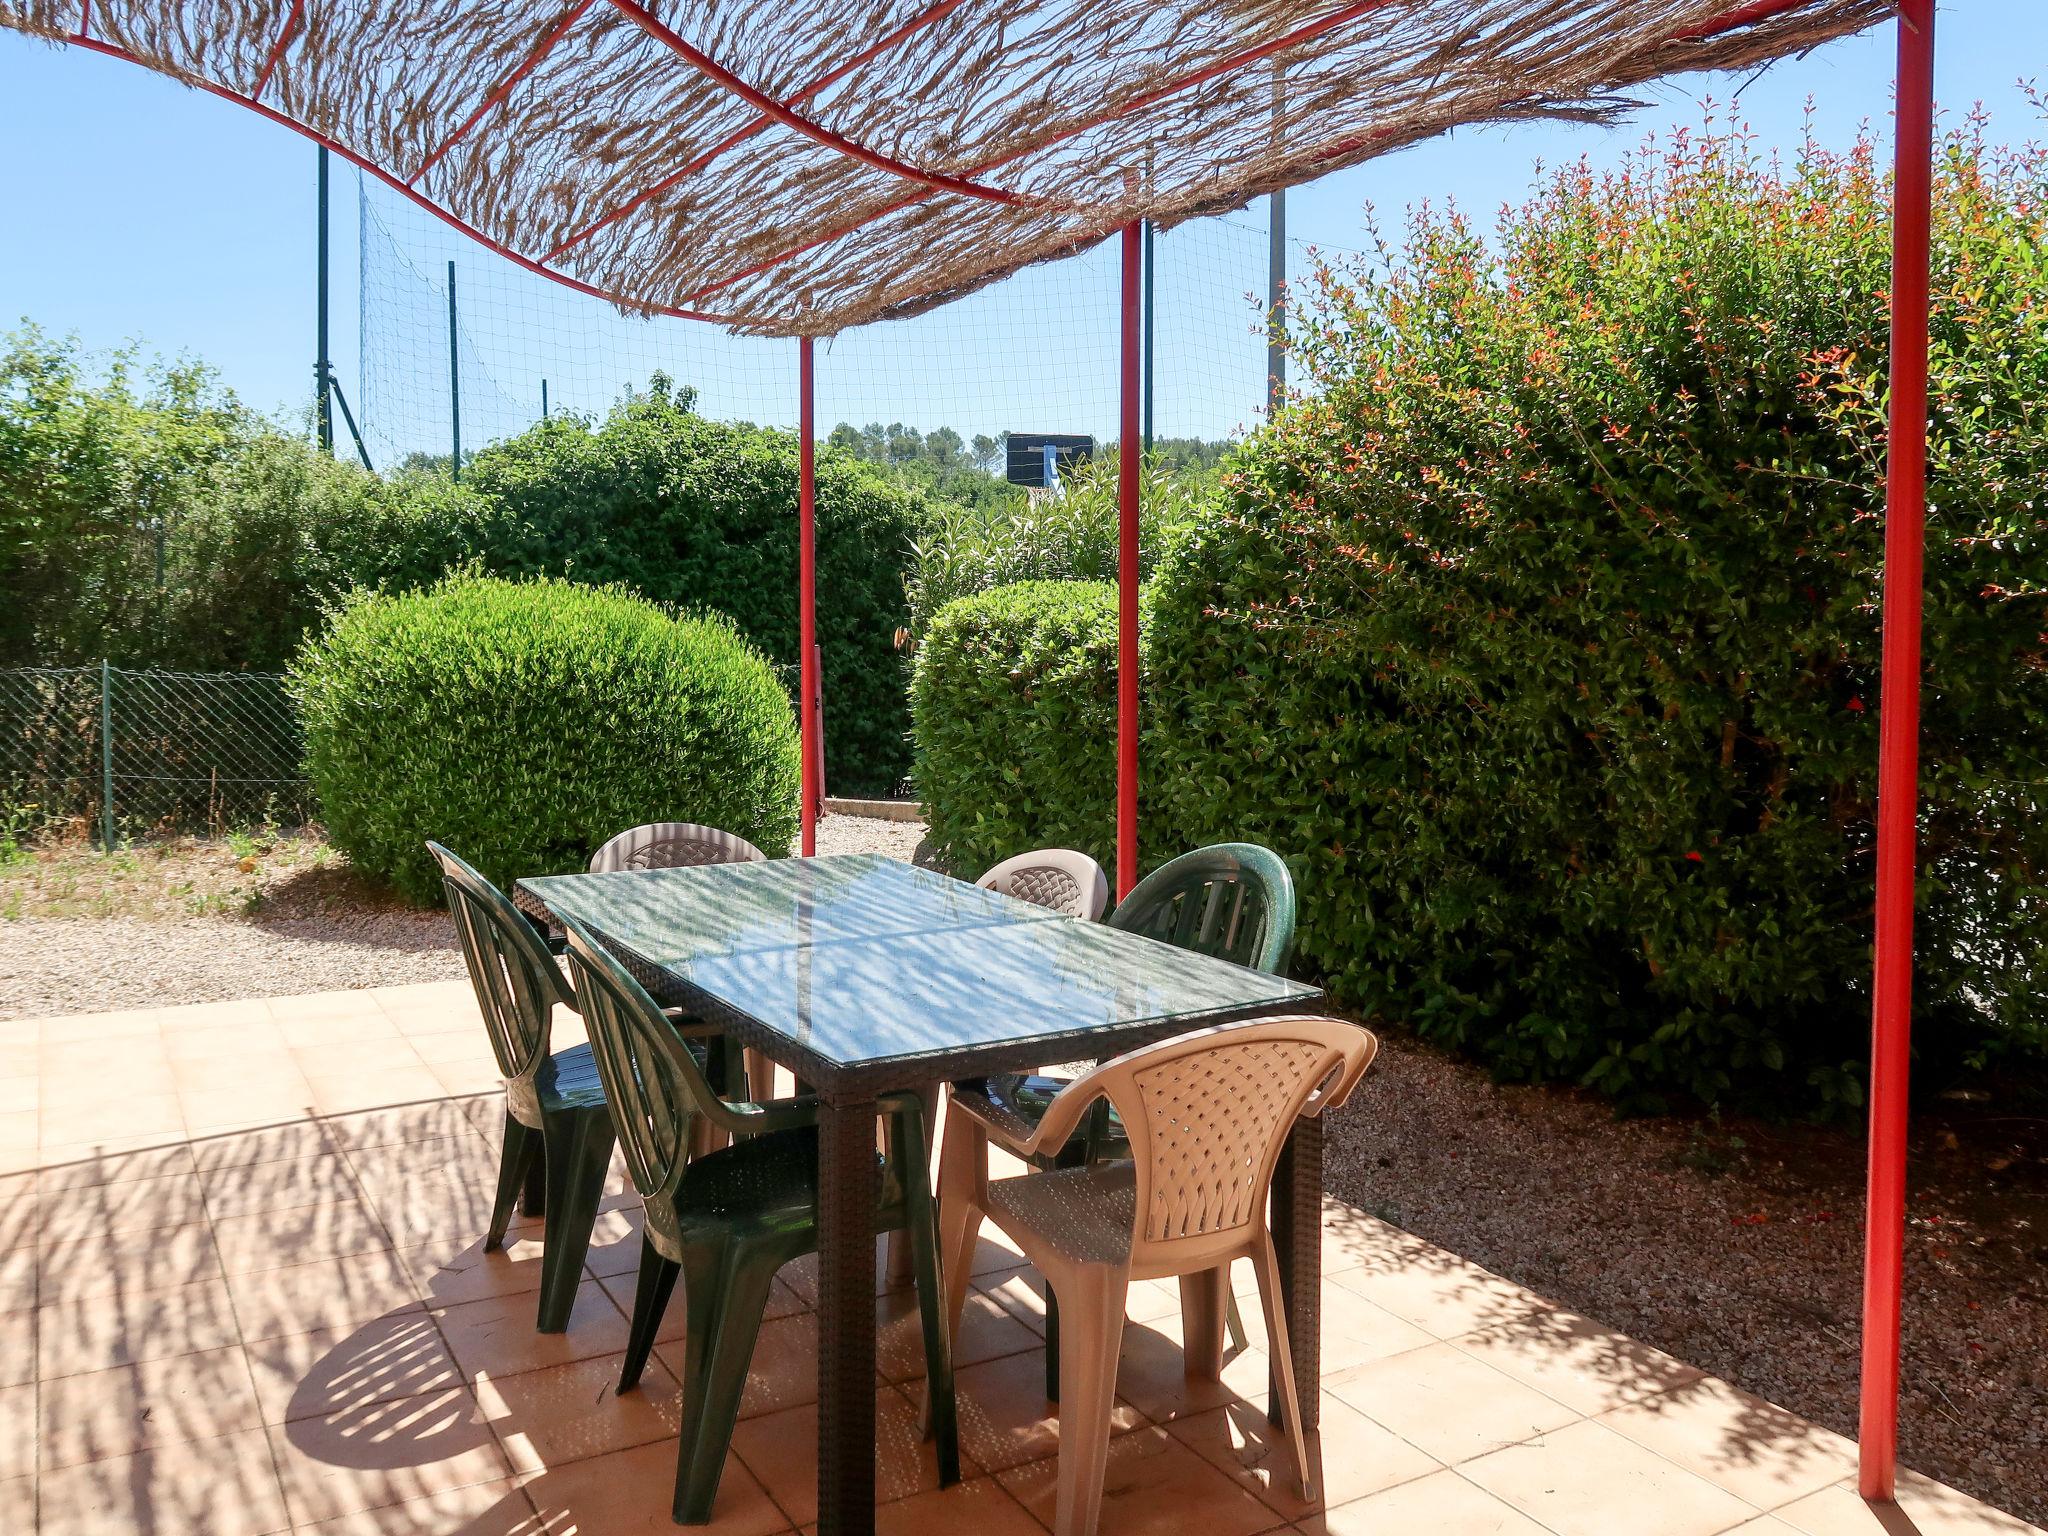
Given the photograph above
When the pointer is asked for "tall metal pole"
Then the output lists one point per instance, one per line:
(1151, 282)
(1127, 490)
(1276, 304)
(543, 399)
(454, 386)
(323, 365)
(1898, 759)
(807, 593)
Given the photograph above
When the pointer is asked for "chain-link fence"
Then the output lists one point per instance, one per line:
(135, 752)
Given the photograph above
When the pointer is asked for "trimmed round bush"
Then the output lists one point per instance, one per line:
(703, 514)
(523, 723)
(1014, 715)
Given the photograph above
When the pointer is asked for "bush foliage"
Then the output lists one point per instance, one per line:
(523, 723)
(1541, 634)
(703, 513)
(1014, 699)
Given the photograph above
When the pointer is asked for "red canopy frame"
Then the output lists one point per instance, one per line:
(1905, 517)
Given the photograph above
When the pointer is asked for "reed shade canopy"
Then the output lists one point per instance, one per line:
(810, 165)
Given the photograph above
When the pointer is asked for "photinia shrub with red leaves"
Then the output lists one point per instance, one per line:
(1541, 633)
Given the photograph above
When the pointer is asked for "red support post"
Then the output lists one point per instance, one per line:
(1128, 451)
(807, 596)
(1898, 771)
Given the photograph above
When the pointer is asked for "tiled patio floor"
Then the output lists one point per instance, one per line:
(242, 1291)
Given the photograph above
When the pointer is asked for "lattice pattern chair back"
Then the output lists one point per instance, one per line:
(1233, 900)
(1208, 1113)
(672, 845)
(1062, 879)
(651, 1080)
(516, 980)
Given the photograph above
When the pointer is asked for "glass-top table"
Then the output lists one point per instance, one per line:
(863, 975)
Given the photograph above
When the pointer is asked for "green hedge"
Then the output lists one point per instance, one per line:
(1014, 700)
(1541, 635)
(704, 514)
(523, 723)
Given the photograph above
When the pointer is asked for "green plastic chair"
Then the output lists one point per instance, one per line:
(1234, 901)
(558, 1134)
(726, 1221)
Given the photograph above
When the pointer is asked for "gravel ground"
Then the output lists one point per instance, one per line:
(1738, 1246)
(305, 927)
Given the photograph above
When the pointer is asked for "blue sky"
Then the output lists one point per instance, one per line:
(137, 209)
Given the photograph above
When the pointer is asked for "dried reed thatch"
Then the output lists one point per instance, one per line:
(800, 166)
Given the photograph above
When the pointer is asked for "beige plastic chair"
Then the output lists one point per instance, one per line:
(1062, 879)
(1207, 1115)
(672, 845)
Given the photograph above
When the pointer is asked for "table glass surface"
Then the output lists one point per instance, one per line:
(864, 959)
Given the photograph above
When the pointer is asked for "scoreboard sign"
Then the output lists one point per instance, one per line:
(1033, 453)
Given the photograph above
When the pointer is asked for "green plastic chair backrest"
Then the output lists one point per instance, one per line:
(651, 1080)
(517, 981)
(1232, 900)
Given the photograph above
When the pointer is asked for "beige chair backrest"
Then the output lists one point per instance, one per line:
(672, 845)
(1062, 879)
(1207, 1114)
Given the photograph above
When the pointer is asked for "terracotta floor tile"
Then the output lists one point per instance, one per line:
(390, 1088)
(384, 1454)
(221, 1487)
(1754, 1449)
(980, 1505)
(461, 1040)
(1440, 1293)
(784, 1370)
(1577, 1361)
(134, 1205)
(18, 1330)
(628, 1493)
(301, 1031)
(987, 1332)
(119, 1074)
(18, 1281)
(283, 1184)
(455, 1269)
(244, 1106)
(1352, 1457)
(70, 1052)
(334, 1295)
(1442, 1501)
(116, 1023)
(136, 1407)
(781, 1451)
(1005, 1420)
(142, 1115)
(494, 1508)
(20, 1091)
(615, 1249)
(241, 1010)
(1764, 1525)
(206, 1058)
(564, 1413)
(782, 1302)
(1152, 1486)
(18, 1430)
(20, 1210)
(466, 1073)
(275, 1239)
(422, 1205)
(130, 1328)
(158, 1259)
(387, 1126)
(497, 1335)
(342, 1058)
(1585, 1480)
(1152, 1373)
(287, 1141)
(313, 1375)
(88, 1167)
(1931, 1509)
(1447, 1403)
(21, 1128)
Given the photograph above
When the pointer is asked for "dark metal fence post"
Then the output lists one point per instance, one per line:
(106, 756)
(454, 387)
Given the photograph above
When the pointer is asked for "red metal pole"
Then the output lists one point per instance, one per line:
(1128, 452)
(807, 595)
(1898, 770)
